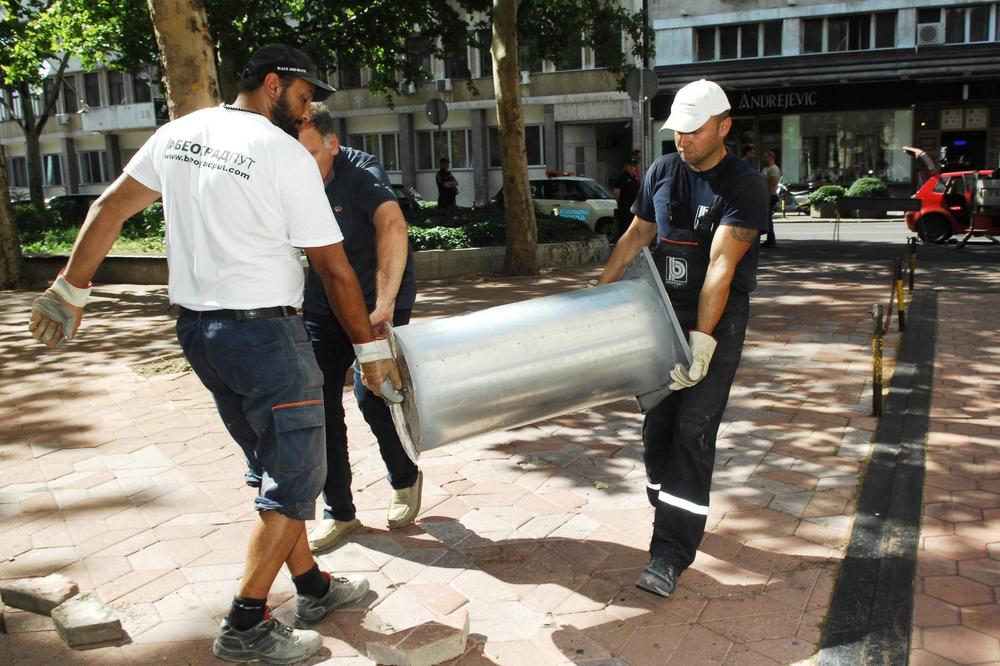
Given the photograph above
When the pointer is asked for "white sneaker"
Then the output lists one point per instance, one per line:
(330, 532)
(405, 504)
(269, 641)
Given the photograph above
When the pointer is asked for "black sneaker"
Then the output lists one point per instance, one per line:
(269, 641)
(658, 577)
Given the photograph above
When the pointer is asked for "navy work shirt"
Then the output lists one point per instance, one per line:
(358, 187)
(745, 202)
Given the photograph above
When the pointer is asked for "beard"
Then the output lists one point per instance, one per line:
(281, 116)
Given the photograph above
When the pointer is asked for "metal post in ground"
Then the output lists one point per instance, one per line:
(900, 302)
(877, 345)
(912, 244)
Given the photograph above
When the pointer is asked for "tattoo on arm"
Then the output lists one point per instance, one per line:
(743, 234)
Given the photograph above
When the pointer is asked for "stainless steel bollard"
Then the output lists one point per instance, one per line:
(524, 362)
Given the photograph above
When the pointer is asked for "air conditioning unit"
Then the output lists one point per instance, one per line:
(410, 89)
(444, 85)
(62, 118)
(929, 34)
(525, 77)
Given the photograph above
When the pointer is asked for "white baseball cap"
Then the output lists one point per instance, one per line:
(694, 104)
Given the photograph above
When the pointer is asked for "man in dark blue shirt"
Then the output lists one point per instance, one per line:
(705, 210)
(377, 247)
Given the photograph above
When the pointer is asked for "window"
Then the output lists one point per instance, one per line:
(528, 64)
(51, 170)
(418, 51)
(384, 147)
(116, 88)
(92, 89)
(17, 171)
(572, 58)
(453, 144)
(15, 104)
(961, 24)
(730, 42)
(48, 90)
(140, 88)
(456, 62)
(71, 99)
(485, 39)
(93, 166)
(535, 147)
(607, 43)
(349, 76)
(856, 32)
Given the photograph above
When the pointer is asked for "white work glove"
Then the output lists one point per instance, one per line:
(379, 372)
(56, 314)
(702, 347)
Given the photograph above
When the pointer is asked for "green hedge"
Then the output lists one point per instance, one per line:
(869, 186)
(826, 194)
(44, 232)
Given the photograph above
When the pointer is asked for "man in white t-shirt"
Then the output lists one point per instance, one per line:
(240, 195)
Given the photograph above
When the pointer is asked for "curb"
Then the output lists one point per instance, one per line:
(871, 610)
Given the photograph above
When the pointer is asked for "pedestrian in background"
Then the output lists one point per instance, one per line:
(772, 176)
(447, 185)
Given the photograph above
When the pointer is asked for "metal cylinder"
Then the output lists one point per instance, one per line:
(525, 362)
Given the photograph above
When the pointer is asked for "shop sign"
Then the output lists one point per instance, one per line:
(777, 101)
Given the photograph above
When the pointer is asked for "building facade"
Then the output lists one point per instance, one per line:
(101, 119)
(836, 89)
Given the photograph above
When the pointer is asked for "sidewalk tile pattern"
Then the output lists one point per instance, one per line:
(130, 486)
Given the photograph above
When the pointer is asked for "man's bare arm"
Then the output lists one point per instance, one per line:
(729, 244)
(639, 235)
(391, 249)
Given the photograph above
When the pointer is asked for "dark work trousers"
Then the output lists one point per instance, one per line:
(335, 354)
(679, 440)
(770, 218)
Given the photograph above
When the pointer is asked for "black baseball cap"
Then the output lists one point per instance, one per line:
(284, 59)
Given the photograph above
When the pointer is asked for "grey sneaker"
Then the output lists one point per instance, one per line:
(405, 504)
(269, 642)
(659, 577)
(342, 592)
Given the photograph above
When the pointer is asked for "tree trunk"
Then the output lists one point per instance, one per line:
(32, 148)
(10, 246)
(185, 45)
(522, 234)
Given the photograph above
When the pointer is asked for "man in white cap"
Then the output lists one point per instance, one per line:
(704, 209)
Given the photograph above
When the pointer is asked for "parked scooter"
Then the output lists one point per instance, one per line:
(796, 200)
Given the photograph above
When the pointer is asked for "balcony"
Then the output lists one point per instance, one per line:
(146, 115)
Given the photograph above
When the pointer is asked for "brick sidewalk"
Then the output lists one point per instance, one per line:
(130, 487)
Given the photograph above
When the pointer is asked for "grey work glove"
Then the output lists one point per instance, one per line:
(56, 314)
(378, 367)
(702, 347)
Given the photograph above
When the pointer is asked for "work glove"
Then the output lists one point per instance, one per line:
(56, 314)
(702, 347)
(379, 372)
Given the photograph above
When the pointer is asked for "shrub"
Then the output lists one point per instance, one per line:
(483, 227)
(33, 222)
(147, 224)
(438, 238)
(869, 186)
(827, 194)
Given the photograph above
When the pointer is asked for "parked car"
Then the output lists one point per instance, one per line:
(952, 203)
(407, 199)
(72, 208)
(574, 197)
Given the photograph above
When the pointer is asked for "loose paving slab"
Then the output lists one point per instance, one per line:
(38, 595)
(84, 620)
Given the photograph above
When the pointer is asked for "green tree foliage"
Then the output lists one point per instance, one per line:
(38, 38)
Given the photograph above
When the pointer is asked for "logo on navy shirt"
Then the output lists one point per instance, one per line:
(676, 273)
(700, 213)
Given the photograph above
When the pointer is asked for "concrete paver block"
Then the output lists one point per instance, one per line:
(84, 619)
(38, 595)
(423, 645)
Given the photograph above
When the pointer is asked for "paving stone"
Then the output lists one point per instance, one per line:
(83, 620)
(38, 595)
(423, 645)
